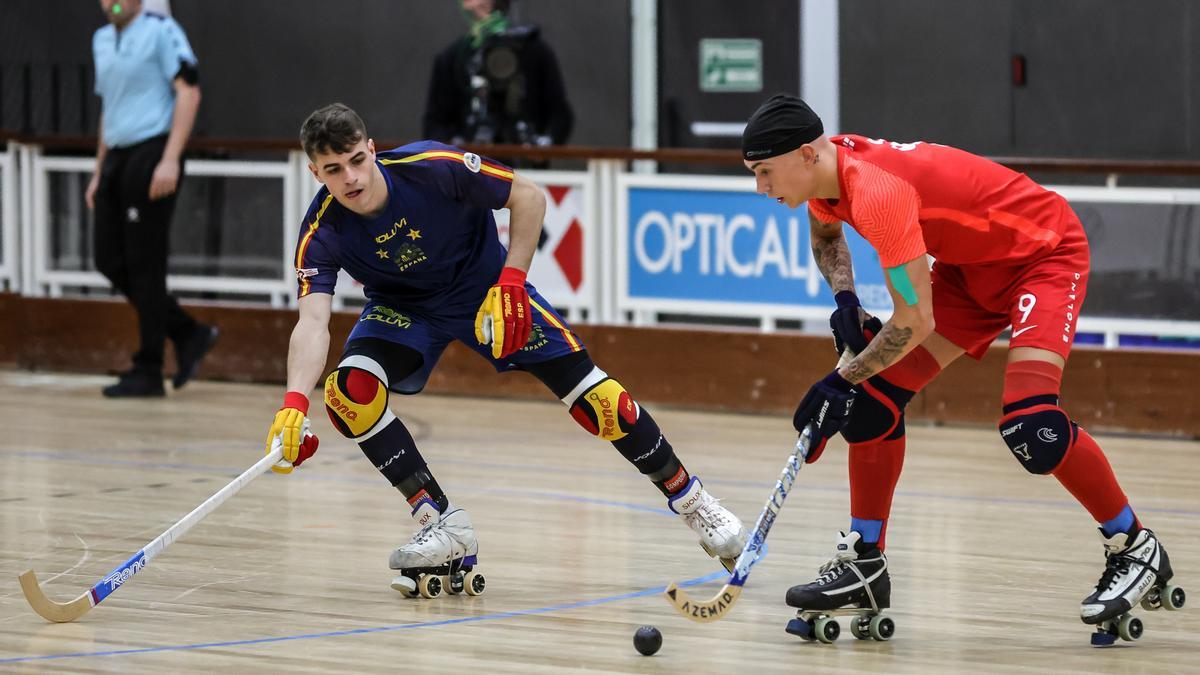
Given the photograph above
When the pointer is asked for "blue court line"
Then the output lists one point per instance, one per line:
(379, 629)
(1007, 501)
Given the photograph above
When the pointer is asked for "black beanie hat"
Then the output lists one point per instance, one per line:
(779, 126)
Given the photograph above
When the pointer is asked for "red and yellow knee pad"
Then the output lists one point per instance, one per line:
(356, 398)
(606, 410)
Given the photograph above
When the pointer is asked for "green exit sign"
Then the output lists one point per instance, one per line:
(730, 65)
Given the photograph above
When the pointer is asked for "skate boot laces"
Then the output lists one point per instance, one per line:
(1121, 558)
(843, 558)
(710, 515)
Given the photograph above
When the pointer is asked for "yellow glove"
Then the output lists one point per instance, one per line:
(291, 431)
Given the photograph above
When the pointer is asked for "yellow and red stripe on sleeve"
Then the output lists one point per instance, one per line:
(312, 229)
(484, 165)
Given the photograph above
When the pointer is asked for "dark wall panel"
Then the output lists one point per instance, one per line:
(681, 27)
(266, 63)
(1105, 78)
(927, 70)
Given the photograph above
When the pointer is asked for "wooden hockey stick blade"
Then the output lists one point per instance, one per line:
(704, 611)
(49, 609)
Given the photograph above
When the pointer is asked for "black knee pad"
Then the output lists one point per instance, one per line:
(878, 412)
(1038, 432)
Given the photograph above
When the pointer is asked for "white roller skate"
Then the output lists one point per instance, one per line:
(441, 555)
(1136, 570)
(854, 582)
(722, 535)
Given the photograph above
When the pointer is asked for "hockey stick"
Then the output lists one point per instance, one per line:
(64, 612)
(704, 611)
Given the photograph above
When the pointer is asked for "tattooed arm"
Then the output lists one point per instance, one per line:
(831, 253)
(911, 322)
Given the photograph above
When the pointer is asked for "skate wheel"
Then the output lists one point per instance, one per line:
(1173, 597)
(430, 586)
(405, 585)
(801, 628)
(860, 627)
(474, 583)
(1153, 600)
(1130, 628)
(882, 628)
(827, 629)
(454, 583)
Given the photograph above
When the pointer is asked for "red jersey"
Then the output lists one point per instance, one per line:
(907, 199)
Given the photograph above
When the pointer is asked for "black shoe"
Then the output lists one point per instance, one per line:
(845, 579)
(136, 383)
(190, 353)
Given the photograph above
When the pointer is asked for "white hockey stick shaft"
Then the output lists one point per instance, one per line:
(76, 608)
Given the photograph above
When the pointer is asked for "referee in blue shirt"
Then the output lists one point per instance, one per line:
(147, 80)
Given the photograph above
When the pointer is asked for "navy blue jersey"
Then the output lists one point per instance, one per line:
(434, 247)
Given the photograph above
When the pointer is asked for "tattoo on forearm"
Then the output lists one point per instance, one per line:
(885, 349)
(833, 259)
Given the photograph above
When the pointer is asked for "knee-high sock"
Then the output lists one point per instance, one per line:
(1087, 475)
(1084, 470)
(874, 471)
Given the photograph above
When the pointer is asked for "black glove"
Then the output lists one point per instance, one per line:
(827, 405)
(849, 330)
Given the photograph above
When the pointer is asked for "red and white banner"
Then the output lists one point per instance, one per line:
(560, 268)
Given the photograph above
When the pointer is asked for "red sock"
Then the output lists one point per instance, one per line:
(874, 471)
(1084, 470)
(1086, 474)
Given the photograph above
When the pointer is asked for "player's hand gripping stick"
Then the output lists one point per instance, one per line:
(291, 431)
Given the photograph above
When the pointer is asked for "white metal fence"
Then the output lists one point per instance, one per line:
(621, 247)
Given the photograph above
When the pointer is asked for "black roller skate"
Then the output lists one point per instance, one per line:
(1137, 570)
(855, 582)
(441, 555)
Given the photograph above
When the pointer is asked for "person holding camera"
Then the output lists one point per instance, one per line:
(499, 83)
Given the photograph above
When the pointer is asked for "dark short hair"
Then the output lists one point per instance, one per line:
(335, 127)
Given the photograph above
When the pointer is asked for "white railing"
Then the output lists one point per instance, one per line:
(644, 245)
(9, 238)
(44, 279)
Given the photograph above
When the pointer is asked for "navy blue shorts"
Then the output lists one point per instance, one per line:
(428, 334)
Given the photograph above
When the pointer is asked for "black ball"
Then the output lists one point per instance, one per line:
(647, 640)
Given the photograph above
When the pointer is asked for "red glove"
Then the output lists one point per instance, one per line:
(504, 319)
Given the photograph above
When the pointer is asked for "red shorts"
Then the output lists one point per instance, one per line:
(1040, 299)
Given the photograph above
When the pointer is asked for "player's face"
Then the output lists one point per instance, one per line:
(119, 12)
(351, 177)
(478, 8)
(788, 178)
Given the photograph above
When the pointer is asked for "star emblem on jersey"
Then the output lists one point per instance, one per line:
(383, 255)
(414, 234)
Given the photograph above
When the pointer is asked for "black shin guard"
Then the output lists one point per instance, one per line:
(646, 448)
(394, 453)
(422, 483)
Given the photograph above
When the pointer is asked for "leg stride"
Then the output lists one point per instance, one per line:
(602, 406)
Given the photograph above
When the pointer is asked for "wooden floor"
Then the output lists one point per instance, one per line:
(989, 563)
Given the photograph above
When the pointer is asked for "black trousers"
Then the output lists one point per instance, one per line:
(132, 237)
